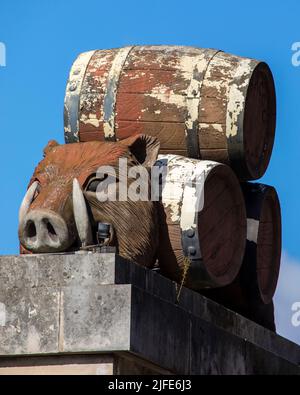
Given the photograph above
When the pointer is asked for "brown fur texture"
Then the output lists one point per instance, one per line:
(135, 223)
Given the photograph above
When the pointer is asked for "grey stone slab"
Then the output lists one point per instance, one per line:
(128, 273)
(95, 318)
(214, 351)
(125, 318)
(208, 310)
(239, 326)
(80, 303)
(261, 362)
(89, 269)
(29, 271)
(29, 320)
(161, 287)
(57, 270)
(160, 332)
(217, 352)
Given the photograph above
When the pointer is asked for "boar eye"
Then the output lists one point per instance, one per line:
(93, 184)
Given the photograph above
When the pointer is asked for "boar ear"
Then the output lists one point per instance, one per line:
(51, 144)
(144, 148)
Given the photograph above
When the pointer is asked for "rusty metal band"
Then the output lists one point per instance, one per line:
(190, 240)
(72, 97)
(110, 98)
(192, 122)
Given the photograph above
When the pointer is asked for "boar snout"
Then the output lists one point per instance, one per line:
(44, 231)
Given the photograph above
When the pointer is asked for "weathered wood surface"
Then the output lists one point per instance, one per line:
(214, 226)
(201, 103)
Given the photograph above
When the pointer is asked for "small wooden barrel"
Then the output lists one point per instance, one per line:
(263, 250)
(200, 103)
(202, 222)
(252, 291)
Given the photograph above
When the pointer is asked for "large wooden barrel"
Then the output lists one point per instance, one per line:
(200, 103)
(202, 222)
(252, 291)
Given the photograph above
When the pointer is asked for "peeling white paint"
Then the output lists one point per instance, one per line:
(192, 66)
(193, 196)
(188, 65)
(236, 96)
(111, 92)
(73, 90)
(221, 63)
(252, 230)
(138, 74)
(218, 127)
(91, 119)
(183, 189)
(159, 93)
(102, 60)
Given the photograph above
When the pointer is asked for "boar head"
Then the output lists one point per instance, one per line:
(60, 210)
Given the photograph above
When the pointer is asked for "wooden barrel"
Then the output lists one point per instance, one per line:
(263, 249)
(202, 222)
(200, 103)
(252, 291)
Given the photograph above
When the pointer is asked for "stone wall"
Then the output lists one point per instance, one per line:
(92, 313)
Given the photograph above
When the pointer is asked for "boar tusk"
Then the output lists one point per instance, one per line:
(26, 202)
(81, 215)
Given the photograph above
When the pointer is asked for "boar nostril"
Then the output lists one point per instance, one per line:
(50, 228)
(31, 229)
(44, 231)
(51, 231)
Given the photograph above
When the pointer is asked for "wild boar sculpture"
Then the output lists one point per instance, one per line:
(60, 210)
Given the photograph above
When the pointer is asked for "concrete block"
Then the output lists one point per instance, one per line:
(95, 318)
(160, 332)
(214, 351)
(29, 320)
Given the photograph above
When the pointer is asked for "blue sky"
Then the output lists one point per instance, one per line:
(42, 39)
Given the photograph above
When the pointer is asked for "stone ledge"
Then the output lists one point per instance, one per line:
(48, 307)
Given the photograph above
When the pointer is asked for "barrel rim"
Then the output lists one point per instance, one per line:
(255, 173)
(271, 195)
(236, 262)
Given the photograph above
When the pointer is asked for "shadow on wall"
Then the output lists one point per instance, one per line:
(287, 299)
